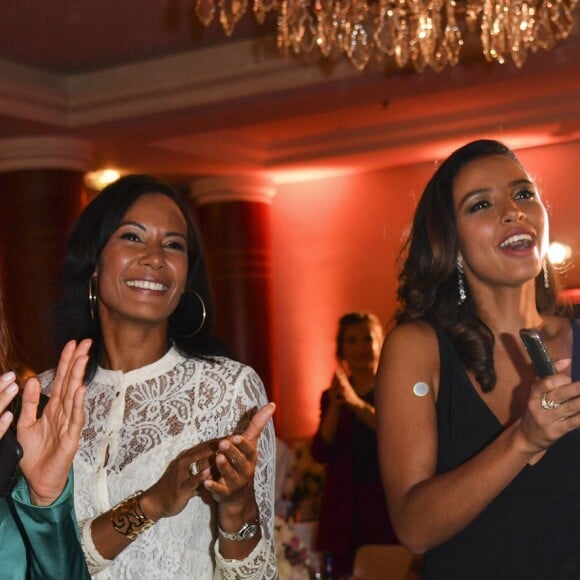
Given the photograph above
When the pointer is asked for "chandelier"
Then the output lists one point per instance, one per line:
(426, 33)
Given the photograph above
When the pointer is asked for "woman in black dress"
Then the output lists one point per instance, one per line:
(480, 457)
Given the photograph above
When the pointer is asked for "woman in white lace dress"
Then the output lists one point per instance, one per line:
(174, 477)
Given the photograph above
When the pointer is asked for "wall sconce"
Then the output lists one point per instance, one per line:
(97, 180)
(559, 253)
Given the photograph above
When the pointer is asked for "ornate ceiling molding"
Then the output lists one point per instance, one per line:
(239, 107)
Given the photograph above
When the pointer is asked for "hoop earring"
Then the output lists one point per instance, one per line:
(546, 275)
(93, 297)
(461, 282)
(185, 312)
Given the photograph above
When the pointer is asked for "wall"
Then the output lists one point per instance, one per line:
(335, 243)
(557, 171)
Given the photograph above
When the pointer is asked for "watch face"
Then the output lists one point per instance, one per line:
(249, 531)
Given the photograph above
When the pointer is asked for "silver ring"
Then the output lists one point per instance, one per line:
(194, 468)
(548, 404)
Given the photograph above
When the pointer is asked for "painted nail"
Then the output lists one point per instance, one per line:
(6, 418)
(8, 377)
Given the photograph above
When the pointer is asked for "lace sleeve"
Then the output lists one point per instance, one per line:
(261, 562)
(95, 562)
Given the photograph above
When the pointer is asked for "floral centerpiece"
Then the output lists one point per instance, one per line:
(291, 553)
(298, 503)
(305, 483)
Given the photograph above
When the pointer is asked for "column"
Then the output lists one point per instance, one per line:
(41, 194)
(233, 216)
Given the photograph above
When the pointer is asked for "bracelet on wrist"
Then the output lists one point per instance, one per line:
(128, 518)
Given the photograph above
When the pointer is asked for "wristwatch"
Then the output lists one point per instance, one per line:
(246, 532)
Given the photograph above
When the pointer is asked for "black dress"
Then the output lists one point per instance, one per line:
(532, 529)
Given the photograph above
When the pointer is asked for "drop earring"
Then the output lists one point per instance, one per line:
(546, 275)
(93, 296)
(461, 282)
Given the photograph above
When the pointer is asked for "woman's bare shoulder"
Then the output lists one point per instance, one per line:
(417, 332)
(410, 354)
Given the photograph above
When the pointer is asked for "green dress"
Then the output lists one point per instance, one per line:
(40, 542)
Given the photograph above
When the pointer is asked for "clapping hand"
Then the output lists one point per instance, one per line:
(341, 391)
(8, 390)
(225, 467)
(51, 440)
(181, 481)
(236, 461)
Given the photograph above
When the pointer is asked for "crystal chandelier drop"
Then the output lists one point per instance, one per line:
(423, 32)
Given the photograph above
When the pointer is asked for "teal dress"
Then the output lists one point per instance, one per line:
(40, 542)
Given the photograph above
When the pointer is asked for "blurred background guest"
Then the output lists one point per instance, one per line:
(353, 510)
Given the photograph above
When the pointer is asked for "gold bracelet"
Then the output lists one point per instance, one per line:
(128, 518)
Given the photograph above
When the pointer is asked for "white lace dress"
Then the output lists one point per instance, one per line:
(145, 418)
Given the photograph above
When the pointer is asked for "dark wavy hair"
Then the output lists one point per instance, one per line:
(92, 230)
(428, 280)
(350, 319)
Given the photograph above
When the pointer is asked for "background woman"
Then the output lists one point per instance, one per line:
(164, 414)
(38, 532)
(353, 510)
(475, 450)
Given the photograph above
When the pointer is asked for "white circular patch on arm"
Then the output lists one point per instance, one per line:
(420, 389)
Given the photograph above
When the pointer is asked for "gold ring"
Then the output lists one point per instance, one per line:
(548, 404)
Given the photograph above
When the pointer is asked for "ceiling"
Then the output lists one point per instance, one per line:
(154, 91)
